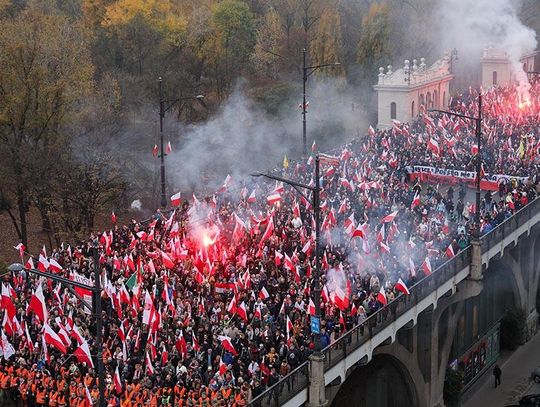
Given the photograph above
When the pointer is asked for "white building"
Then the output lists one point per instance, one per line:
(497, 69)
(402, 92)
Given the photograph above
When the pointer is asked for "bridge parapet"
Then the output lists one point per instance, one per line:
(384, 324)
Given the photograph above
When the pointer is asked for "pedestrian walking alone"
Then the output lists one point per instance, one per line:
(497, 373)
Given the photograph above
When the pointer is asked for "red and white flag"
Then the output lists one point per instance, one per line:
(176, 199)
(371, 131)
(113, 217)
(149, 366)
(390, 217)
(21, 248)
(52, 338)
(155, 150)
(263, 294)
(225, 185)
(381, 297)
(82, 353)
(168, 149)
(426, 266)
(311, 307)
(242, 311)
(54, 266)
(37, 304)
(273, 199)
(450, 251)
(415, 201)
(227, 344)
(117, 381)
(402, 287)
(433, 145)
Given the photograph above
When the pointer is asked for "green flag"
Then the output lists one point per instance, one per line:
(132, 281)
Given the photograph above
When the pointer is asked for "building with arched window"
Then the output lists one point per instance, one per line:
(404, 92)
(497, 69)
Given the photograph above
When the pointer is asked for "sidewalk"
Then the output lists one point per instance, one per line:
(515, 380)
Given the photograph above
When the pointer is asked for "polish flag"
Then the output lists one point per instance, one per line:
(358, 232)
(168, 149)
(371, 131)
(77, 335)
(288, 328)
(257, 313)
(242, 312)
(433, 145)
(402, 287)
(412, 267)
(450, 251)
(381, 297)
(149, 366)
(82, 353)
(176, 199)
(43, 263)
(263, 294)
(54, 266)
(225, 185)
(415, 201)
(53, 339)
(117, 381)
(274, 198)
(155, 150)
(222, 367)
(385, 248)
(21, 248)
(195, 345)
(29, 341)
(474, 149)
(426, 266)
(231, 308)
(277, 258)
(340, 299)
(37, 304)
(252, 198)
(227, 344)
(113, 217)
(311, 307)
(267, 233)
(314, 146)
(389, 218)
(29, 265)
(149, 309)
(7, 303)
(167, 261)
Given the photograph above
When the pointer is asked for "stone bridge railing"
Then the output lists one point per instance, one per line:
(296, 382)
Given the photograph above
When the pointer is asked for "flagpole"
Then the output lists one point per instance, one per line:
(99, 326)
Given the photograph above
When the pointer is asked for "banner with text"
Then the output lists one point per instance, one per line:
(490, 182)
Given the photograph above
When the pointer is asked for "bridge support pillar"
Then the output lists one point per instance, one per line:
(316, 391)
(476, 260)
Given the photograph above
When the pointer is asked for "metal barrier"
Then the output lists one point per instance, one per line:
(298, 379)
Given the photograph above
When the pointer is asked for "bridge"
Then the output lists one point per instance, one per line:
(405, 346)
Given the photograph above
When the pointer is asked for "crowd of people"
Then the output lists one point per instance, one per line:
(209, 305)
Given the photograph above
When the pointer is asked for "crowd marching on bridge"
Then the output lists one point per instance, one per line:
(210, 304)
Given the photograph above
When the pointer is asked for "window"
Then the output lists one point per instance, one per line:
(444, 99)
(412, 109)
(421, 101)
(494, 77)
(435, 99)
(393, 110)
(428, 100)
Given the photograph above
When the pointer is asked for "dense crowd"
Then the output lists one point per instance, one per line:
(209, 304)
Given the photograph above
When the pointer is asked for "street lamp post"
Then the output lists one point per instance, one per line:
(316, 395)
(306, 73)
(476, 269)
(96, 310)
(164, 107)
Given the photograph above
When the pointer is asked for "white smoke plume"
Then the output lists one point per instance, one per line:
(471, 25)
(241, 138)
